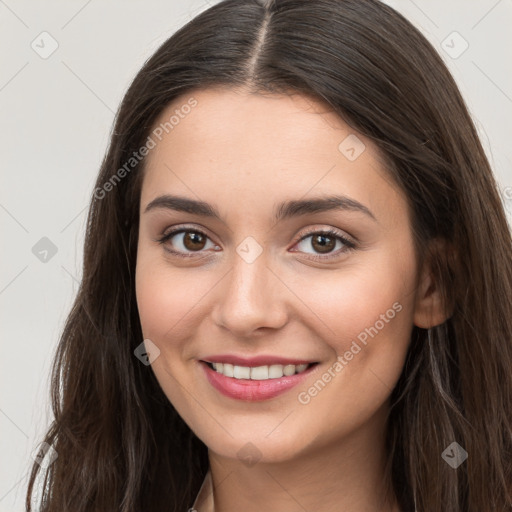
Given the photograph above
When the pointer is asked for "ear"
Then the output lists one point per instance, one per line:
(429, 309)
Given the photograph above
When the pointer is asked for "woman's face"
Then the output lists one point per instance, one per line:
(261, 281)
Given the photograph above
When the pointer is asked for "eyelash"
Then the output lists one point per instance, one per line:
(348, 244)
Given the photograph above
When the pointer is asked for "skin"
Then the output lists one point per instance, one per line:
(244, 153)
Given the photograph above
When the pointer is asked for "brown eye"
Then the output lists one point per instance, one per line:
(185, 242)
(322, 243)
(194, 241)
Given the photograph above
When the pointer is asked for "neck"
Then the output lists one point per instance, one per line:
(345, 474)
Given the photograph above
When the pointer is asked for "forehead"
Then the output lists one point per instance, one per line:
(280, 122)
(253, 150)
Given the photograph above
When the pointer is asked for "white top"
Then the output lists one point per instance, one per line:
(204, 498)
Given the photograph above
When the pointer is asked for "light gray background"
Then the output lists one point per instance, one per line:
(56, 117)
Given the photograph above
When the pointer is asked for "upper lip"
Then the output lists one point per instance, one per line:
(262, 360)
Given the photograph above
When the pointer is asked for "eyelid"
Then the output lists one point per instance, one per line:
(329, 230)
(349, 242)
(175, 230)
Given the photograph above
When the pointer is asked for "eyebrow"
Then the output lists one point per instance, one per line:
(284, 210)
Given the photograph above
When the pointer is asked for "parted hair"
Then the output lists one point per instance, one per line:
(121, 444)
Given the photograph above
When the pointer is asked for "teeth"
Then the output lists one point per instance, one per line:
(289, 369)
(259, 373)
(274, 371)
(241, 372)
(226, 369)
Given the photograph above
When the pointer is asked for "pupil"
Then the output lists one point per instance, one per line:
(323, 247)
(193, 241)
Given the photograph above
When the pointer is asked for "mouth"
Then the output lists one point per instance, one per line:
(265, 372)
(255, 383)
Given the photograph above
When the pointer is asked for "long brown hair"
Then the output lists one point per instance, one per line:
(120, 443)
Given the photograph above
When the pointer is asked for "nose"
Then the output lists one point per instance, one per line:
(251, 298)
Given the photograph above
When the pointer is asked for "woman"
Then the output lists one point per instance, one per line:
(297, 283)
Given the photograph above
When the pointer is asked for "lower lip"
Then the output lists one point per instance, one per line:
(253, 390)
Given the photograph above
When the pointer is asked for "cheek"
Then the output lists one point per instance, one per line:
(366, 312)
(166, 314)
(155, 300)
(353, 299)
(369, 313)
(166, 298)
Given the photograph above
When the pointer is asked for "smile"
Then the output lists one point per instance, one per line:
(255, 383)
(275, 371)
